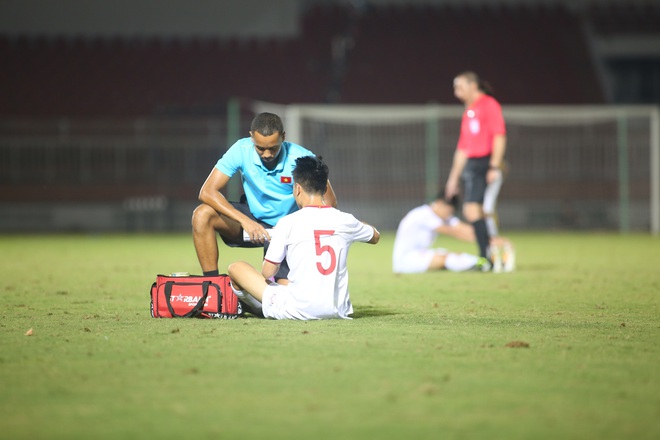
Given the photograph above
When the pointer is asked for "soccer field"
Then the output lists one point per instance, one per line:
(568, 346)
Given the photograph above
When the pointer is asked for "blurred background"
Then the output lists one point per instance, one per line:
(112, 114)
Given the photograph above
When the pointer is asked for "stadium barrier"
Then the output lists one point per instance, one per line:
(569, 166)
(583, 167)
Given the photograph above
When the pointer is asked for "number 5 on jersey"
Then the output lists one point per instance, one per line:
(320, 250)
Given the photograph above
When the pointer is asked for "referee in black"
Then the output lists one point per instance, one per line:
(479, 152)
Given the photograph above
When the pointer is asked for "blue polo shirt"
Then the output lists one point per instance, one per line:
(269, 193)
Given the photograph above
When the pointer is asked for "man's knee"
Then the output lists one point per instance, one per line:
(233, 269)
(202, 216)
(472, 212)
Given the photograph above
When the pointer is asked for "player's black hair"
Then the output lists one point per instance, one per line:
(453, 201)
(312, 174)
(484, 86)
(267, 124)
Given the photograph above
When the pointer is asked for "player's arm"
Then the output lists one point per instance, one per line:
(496, 157)
(460, 231)
(210, 194)
(460, 159)
(269, 269)
(374, 238)
(329, 197)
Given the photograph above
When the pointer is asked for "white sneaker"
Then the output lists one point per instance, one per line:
(482, 265)
(509, 258)
(496, 258)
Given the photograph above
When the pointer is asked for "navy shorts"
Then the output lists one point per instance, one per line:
(245, 209)
(474, 179)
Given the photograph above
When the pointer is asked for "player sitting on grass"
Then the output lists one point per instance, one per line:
(315, 242)
(418, 230)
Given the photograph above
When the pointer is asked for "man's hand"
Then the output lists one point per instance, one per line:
(458, 164)
(451, 189)
(255, 231)
(493, 175)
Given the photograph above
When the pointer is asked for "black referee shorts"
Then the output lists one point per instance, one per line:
(474, 179)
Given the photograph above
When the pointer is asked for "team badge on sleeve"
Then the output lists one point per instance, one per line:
(285, 179)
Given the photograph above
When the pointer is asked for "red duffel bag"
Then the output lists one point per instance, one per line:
(194, 296)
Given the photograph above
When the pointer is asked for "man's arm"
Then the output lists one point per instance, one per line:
(499, 148)
(496, 157)
(461, 231)
(460, 159)
(210, 194)
(374, 238)
(269, 269)
(329, 197)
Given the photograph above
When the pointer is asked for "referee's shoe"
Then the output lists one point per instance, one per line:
(482, 265)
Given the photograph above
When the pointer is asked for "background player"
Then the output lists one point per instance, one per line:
(418, 230)
(266, 162)
(315, 241)
(479, 152)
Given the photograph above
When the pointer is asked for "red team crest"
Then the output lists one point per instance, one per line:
(285, 179)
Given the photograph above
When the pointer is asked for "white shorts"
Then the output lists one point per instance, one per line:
(417, 261)
(490, 195)
(274, 302)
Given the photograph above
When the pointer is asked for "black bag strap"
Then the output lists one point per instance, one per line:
(196, 309)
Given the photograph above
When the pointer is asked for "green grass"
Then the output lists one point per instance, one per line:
(425, 356)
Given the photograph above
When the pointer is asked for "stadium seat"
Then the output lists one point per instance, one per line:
(399, 54)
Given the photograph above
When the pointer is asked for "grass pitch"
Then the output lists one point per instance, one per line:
(566, 347)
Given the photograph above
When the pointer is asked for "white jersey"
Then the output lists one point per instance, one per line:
(315, 242)
(417, 233)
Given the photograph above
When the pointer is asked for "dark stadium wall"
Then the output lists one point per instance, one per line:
(199, 18)
(150, 18)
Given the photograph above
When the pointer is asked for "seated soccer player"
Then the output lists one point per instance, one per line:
(315, 242)
(418, 231)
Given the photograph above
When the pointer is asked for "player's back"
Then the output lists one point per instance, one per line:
(317, 240)
(416, 231)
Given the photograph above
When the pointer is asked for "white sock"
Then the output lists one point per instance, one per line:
(248, 299)
(491, 224)
(460, 262)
